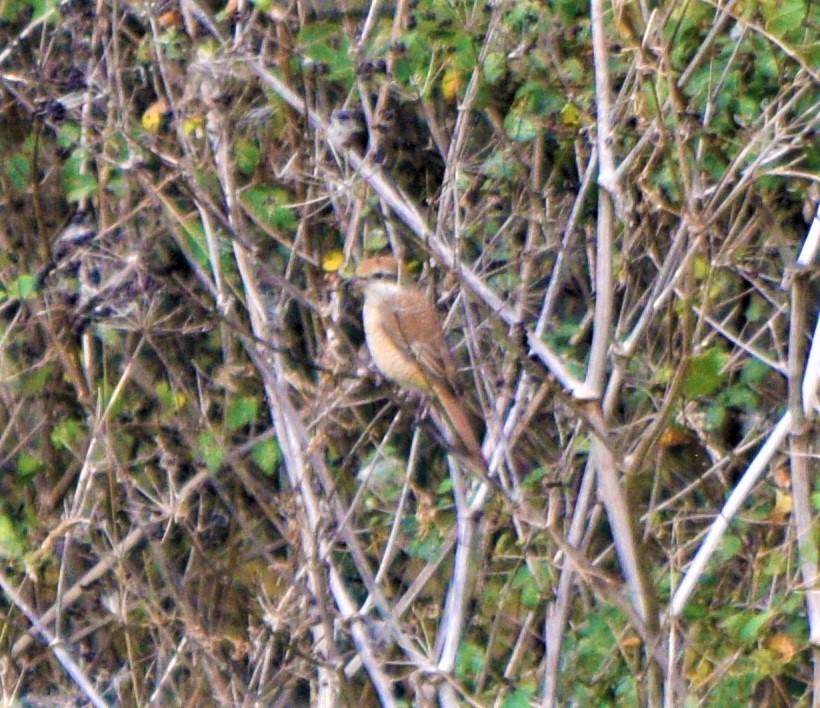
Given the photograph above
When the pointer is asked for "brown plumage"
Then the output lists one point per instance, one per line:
(405, 336)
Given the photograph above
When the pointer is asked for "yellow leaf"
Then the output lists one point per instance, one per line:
(701, 267)
(782, 645)
(193, 126)
(180, 400)
(782, 478)
(570, 116)
(450, 85)
(783, 504)
(630, 641)
(152, 118)
(673, 435)
(332, 261)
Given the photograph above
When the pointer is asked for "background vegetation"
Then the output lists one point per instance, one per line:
(208, 495)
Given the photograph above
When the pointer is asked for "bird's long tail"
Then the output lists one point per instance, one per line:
(456, 427)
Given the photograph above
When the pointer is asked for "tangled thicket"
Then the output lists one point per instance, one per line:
(208, 494)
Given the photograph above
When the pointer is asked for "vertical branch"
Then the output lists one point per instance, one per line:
(603, 261)
(803, 385)
(606, 171)
(609, 486)
(452, 619)
(601, 336)
(558, 611)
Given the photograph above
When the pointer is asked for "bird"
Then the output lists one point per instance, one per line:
(405, 336)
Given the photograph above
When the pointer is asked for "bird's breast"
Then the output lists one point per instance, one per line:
(388, 345)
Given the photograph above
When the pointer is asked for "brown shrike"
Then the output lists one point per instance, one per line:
(405, 336)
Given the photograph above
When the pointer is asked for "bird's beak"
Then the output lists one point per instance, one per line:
(355, 282)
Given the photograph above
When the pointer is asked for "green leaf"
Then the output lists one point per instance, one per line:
(426, 546)
(734, 622)
(626, 691)
(375, 240)
(42, 7)
(267, 454)
(740, 397)
(716, 416)
(807, 548)
(66, 433)
(748, 109)
(23, 287)
(729, 547)
(519, 128)
(383, 474)
(246, 153)
(693, 612)
(783, 16)
(765, 60)
(537, 99)
(570, 10)
(271, 205)
(703, 377)
(326, 43)
(68, 136)
(757, 309)
(170, 399)
(117, 185)
(34, 382)
(520, 698)
(531, 481)
(195, 240)
(498, 167)
(752, 628)
(28, 465)
(495, 66)
(78, 182)
(12, 546)
(445, 487)
(242, 411)
(409, 68)
(11, 9)
(211, 451)
(776, 564)
(463, 53)
(528, 588)
(18, 170)
(574, 69)
(469, 661)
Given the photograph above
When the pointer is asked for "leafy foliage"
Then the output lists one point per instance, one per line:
(175, 239)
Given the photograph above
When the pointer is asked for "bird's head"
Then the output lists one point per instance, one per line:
(381, 269)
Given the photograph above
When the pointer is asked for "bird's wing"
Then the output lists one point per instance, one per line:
(427, 351)
(427, 348)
